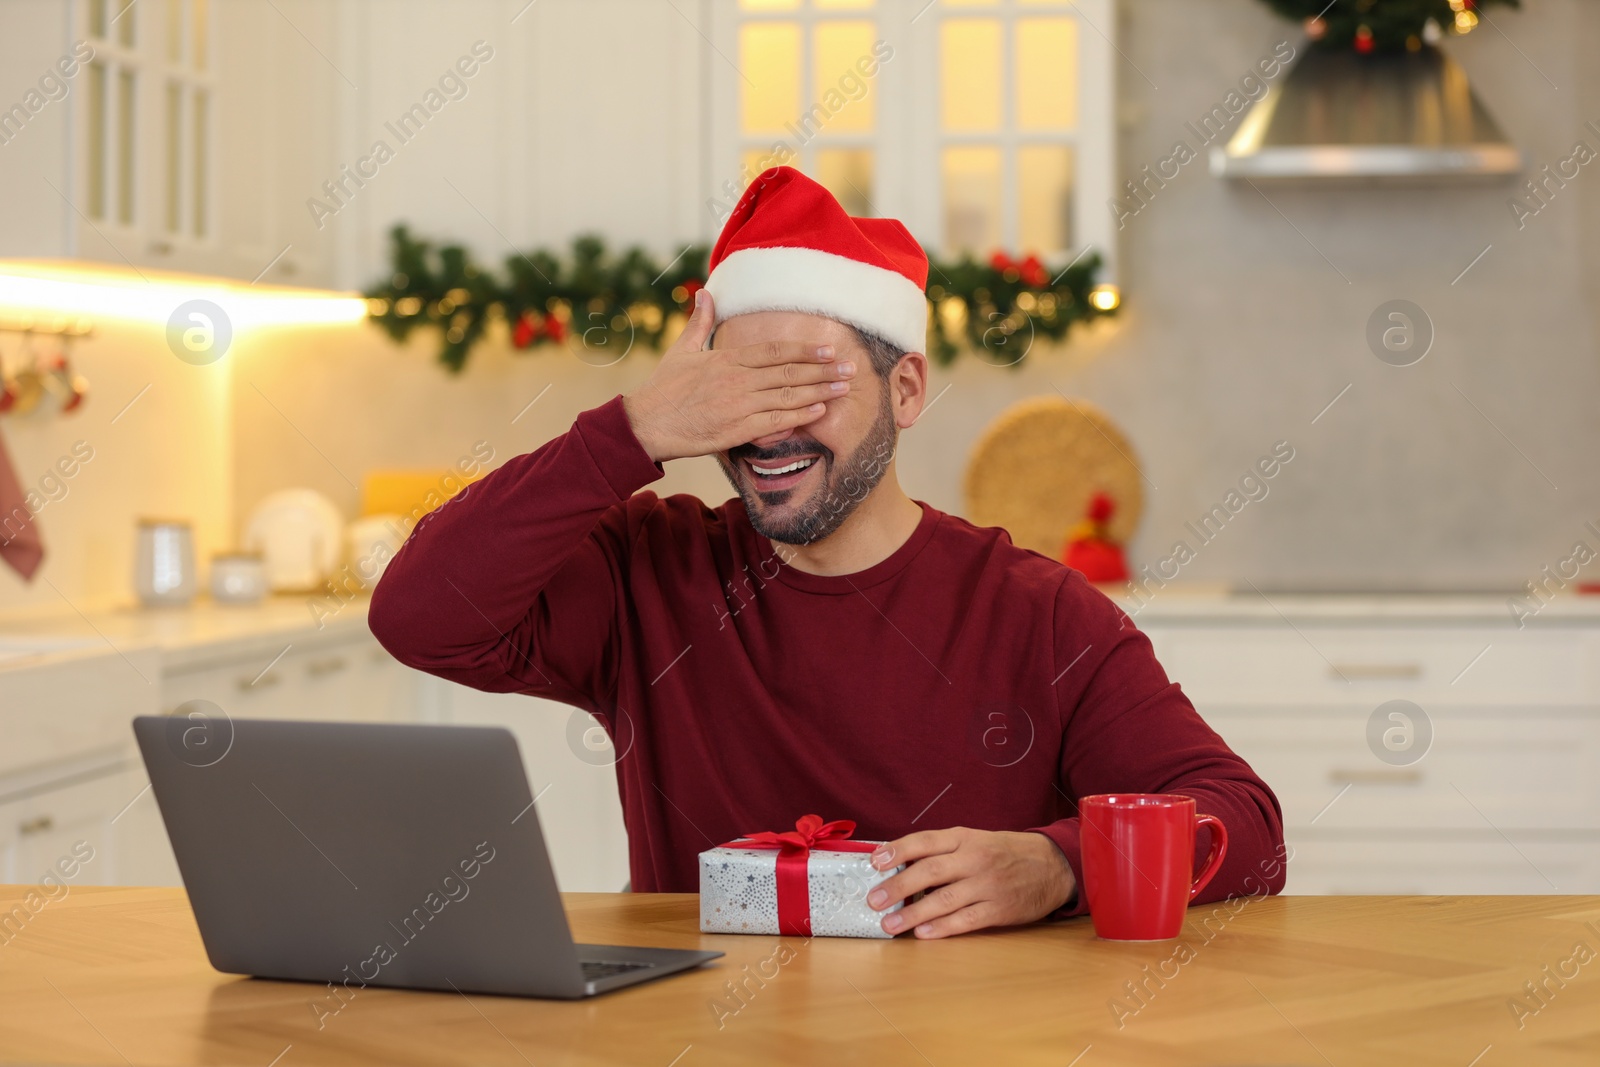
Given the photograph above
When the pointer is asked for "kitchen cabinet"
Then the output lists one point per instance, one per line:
(70, 773)
(163, 152)
(65, 830)
(1501, 791)
(348, 677)
(67, 765)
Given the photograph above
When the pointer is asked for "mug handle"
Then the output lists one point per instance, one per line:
(1219, 849)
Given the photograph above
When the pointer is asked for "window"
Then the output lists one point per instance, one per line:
(985, 124)
(808, 86)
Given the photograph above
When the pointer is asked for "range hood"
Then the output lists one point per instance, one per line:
(1339, 117)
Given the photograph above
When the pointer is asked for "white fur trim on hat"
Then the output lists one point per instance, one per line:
(874, 299)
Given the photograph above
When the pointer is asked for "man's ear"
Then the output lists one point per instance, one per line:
(908, 389)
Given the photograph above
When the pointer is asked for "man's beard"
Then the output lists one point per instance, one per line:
(844, 485)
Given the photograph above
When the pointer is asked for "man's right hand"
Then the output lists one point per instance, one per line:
(699, 402)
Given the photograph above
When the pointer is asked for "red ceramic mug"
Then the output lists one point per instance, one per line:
(1138, 855)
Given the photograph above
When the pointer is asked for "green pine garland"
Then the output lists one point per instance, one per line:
(1393, 25)
(605, 306)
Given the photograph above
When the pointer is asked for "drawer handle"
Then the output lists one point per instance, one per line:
(1397, 776)
(1374, 671)
(39, 824)
(332, 665)
(264, 681)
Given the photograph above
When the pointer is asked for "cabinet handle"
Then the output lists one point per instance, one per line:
(246, 683)
(37, 825)
(1374, 671)
(1397, 776)
(332, 665)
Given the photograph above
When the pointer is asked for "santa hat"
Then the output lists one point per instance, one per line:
(789, 246)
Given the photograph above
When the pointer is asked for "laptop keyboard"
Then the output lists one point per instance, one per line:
(593, 970)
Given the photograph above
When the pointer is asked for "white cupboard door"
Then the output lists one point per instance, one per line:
(66, 833)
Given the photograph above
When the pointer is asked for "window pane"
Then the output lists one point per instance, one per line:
(96, 138)
(125, 112)
(972, 199)
(969, 55)
(97, 18)
(126, 17)
(201, 146)
(840, 87)
(847, 174)
(1047, 74)
(1044, 198)
(174, 157)
(752, 162)
(174, 31)
(769, 56)
(201, 28)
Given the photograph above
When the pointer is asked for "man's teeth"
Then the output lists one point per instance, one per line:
(797, 465)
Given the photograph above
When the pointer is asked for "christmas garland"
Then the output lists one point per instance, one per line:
(1383, 25)
(603, 306)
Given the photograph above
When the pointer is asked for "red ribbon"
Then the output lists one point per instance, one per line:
(794, 854)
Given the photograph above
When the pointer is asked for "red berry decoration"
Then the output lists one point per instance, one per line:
(554, 329)
(1001, 262)
(1033, 273)
(525, 331)
(1363, 39)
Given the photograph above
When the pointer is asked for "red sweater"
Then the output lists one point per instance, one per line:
(961, 682)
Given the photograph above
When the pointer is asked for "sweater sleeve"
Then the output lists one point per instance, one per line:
(1128, 729)
(513, 584)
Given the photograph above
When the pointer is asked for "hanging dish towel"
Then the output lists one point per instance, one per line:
(19, 534)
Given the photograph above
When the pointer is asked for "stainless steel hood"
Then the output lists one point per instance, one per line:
(1338, 117)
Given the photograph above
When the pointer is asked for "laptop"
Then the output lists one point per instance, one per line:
(359, 854)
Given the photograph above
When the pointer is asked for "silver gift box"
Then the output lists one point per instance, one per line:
(739, 892)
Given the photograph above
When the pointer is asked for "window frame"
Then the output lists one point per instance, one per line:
(908, 140)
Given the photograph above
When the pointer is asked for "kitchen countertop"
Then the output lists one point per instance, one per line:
(186, 637)
(1212, 604)
(206, 631)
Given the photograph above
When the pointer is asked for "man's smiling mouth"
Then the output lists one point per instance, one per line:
(776, 475)
(797, 465)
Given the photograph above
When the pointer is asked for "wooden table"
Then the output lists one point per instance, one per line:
(113, 976)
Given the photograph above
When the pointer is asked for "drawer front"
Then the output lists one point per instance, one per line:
(60, 711)
(47, 831)
(1279, 665)
(1515, 769)
(346, 681)
(1489, 867)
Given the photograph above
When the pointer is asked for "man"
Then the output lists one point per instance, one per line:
(822, 643)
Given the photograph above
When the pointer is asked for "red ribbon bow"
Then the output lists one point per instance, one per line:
(794, 854)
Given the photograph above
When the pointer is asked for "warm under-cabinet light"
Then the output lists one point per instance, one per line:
(55, 290)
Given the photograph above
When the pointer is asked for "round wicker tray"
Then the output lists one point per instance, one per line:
(1034, 470)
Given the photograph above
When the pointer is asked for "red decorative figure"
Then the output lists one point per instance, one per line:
(1089, 551)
